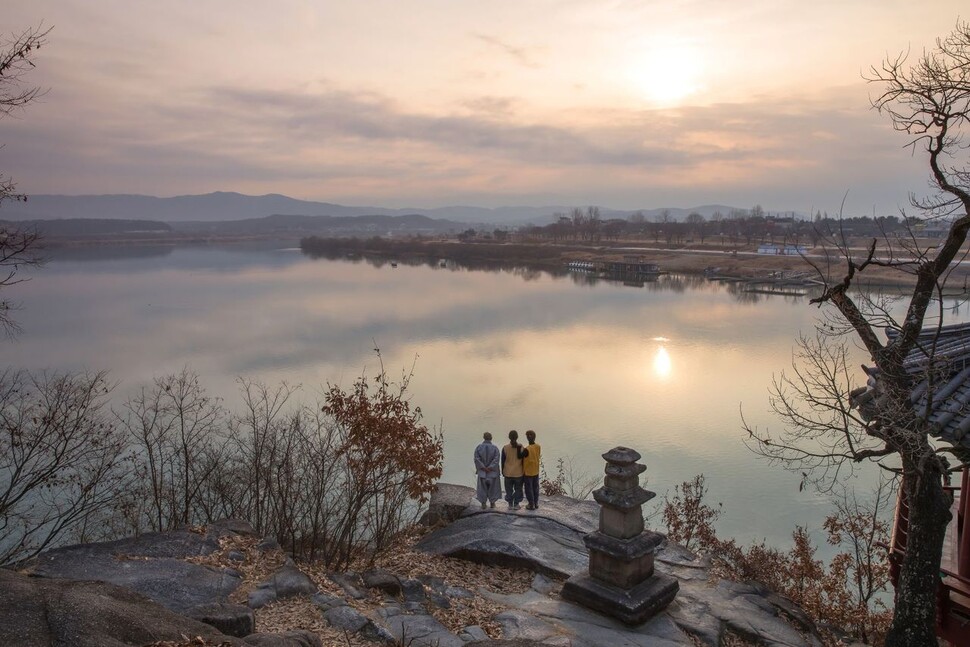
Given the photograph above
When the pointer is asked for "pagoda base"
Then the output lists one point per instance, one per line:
(632, 606)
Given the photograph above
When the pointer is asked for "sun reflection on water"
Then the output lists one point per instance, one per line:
(661, 363)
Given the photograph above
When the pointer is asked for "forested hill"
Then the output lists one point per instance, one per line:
(85, 227)
(291, 226)
(332, 225)
(226, 206)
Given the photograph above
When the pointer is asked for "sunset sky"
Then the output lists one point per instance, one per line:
(624, 103)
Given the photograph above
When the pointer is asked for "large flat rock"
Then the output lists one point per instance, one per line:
(548, 540)
(581, 516)
(534, 616)
(511, 540)
(702, 609)
(39, 612)
(150, 564)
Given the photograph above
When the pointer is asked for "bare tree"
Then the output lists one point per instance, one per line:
(177, 433)
(18, 247)
(60, 459)
(828, 428)
(696, 222)
(593, 222)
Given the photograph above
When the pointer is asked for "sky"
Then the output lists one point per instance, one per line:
(422, 103)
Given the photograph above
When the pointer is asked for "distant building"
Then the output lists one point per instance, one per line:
(632, 265)
(777, 250)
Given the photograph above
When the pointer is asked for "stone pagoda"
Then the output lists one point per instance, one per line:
(621, 581)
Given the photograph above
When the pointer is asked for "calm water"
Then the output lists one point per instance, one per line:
(664, 368)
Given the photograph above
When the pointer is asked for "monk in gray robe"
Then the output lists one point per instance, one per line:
(486, 467)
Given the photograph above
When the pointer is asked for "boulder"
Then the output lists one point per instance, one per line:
(325, 601)
(745, 609)
(231, 619)
(267, 544)
(350, 582)
(346, 618)
(447, 503)
(225, 527)
(298, 638)
(41, 612)
(290, 581)
(413, 590)
(378, 578)
(286, 582)
(542, 584)
(472, 633)
(419, 630)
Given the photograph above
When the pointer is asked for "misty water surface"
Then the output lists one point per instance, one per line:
(664, 368)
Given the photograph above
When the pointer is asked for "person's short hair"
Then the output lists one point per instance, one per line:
(531, 435)
(487, 436)
(513, 435)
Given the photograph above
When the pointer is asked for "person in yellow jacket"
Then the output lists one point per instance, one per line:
(530, 468)
(512, 455)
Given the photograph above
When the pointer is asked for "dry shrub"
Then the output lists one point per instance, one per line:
(570, 480)
(845, 599)
(63, 463)
(333, 483)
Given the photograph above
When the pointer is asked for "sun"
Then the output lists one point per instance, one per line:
(666, 75)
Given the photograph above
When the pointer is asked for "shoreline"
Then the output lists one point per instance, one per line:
(744, 265)
(738, 263)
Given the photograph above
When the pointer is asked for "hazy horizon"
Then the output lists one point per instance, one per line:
(627, 104)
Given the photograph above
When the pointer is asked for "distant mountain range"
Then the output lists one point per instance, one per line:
(223, 206)
(104, 229)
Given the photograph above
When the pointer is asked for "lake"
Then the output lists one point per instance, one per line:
(664, 368)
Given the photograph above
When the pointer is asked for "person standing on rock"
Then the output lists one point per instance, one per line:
(512, 455)
(530, 468)
(487, 468)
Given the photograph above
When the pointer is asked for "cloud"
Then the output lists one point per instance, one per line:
(521, 55)
(490, 105)
(367, 147)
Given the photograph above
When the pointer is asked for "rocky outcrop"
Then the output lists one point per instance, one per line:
(140, 590)
(59, 610)
(549, 541)
(151, 564)
(41, 612)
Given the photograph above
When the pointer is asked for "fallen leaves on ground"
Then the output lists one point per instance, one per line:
(198, 641)
(401, 559)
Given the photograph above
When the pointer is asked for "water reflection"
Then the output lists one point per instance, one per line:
(742, 291)
(661, 363)
(589, 363)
